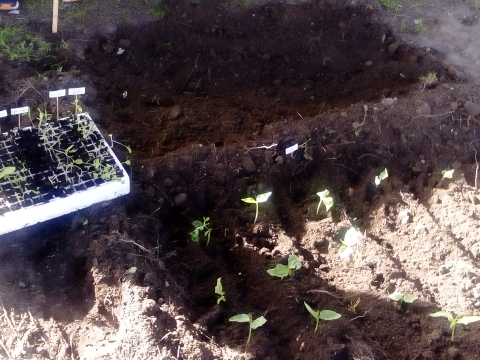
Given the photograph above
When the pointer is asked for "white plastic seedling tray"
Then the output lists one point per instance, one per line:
(55, 169)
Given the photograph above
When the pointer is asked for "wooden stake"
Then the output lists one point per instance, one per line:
(55, 18)
(57, 108)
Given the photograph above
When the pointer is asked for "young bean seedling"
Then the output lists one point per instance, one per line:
(254, 324)
(219, 291)
(380, 177)
(447, 174)
(200, 226)
(402, 298)
(281, 270)
(322, 315)
(465, 320)
(324, 198)
(261, 198)
(349, 247)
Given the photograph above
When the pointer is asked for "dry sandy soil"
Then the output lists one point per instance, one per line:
(209, 97)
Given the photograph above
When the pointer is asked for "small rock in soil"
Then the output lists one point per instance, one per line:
(124, 43)
(453, 352)
(438, 102)
(22, 285)
(180, 199)
(392, 48)
(454, 106)
(422, 108)
(151, 279)
(248, 165)
(175, 112)
(472, 108)
(149, 307)
(443, 270)
(108, 47)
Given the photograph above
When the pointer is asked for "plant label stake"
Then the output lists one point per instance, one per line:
(55, 18)
(76, 92)
(3, 113)
(19, 111)
(56, 94)
(291, 149)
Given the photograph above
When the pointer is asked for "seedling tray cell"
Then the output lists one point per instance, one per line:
(55, 169)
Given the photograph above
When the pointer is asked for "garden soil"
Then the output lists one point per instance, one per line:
(209, 98)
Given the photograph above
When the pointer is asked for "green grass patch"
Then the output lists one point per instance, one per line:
(391, 5)
(421, 27)
(17, 44)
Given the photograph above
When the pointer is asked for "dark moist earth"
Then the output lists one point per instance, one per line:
(209, 99)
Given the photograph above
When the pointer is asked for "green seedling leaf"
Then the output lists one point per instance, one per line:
(6, 171)
(469, 319)
(263, 197)
(409, 298)
(324, 198)
(447, 174)
(327, 315)
(382, 176)
(240, 318)
(219, 291)
(249, 200)
(396, 296)
(444, 314)
(258, 322)
(294, 262)
(254, 324)
(280, 271)
(132, 270)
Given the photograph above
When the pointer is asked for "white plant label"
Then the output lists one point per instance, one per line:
(20, 110)
(291, 149)
(3, 113)
(57, 93)
(76, 91)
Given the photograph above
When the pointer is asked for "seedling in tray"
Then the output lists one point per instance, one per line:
(55, 168)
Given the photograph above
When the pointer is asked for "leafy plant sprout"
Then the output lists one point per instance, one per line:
(261, 198)
(352, 306)
(465, 320)
(281, 270)
(447, 174)
(200, 226)
(254, 324)
(402, 298)
(324, 198)
(327, 315)
(421, 27)
(429, 80)
(380, 177)
(219, 291)
(350, 244)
